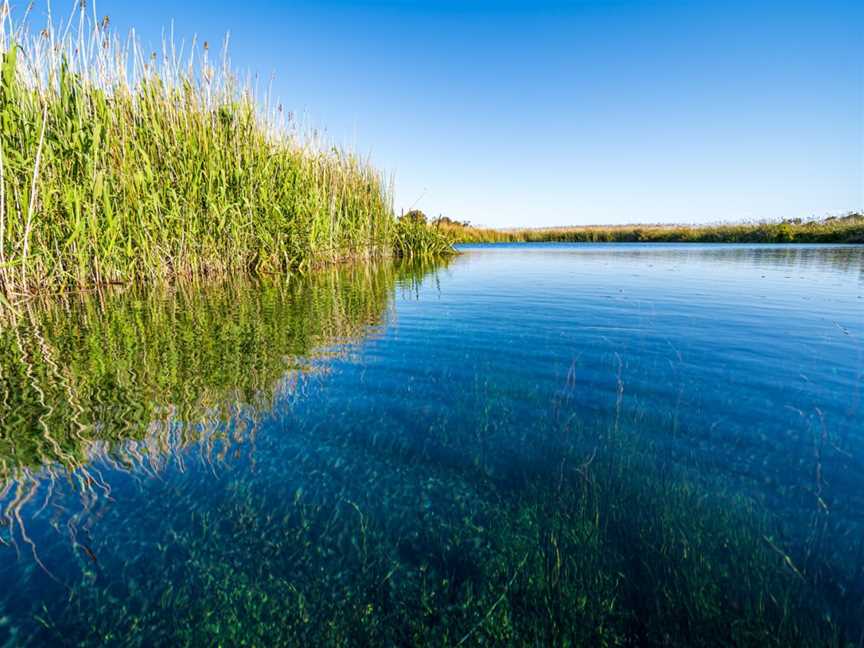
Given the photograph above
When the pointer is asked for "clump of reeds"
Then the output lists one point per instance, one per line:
(417, 238)
(117, 164)
(844, 229)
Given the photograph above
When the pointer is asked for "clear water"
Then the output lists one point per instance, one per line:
(531, 444)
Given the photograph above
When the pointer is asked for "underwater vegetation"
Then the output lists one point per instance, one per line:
(119, 165)
(843, 229)
(368, 542)
(158, 453)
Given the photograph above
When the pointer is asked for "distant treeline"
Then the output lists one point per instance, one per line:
(835, 229)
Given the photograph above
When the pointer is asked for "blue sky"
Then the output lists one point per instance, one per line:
(539, 113)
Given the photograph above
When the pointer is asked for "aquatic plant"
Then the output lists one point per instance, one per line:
(370, 540)
(845, 229)
(117, 164)
(414, 237)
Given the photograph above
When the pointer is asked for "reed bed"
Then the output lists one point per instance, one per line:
(118, 165)
(845, 229)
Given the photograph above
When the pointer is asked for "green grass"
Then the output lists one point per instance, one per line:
(119, 165)
(845, 229)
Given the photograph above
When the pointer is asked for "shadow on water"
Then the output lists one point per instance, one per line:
(177, 471)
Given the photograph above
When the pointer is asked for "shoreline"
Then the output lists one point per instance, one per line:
(847, 229)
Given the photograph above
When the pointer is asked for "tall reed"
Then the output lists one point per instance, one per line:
(117, 164)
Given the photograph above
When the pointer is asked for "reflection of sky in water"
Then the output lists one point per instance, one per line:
(732, 335)
(736, 357)
(741, 364)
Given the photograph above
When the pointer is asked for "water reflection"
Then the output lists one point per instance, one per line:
(134, 377)
(565, 445)
(839, 258)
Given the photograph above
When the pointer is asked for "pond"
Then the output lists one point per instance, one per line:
(526, 445)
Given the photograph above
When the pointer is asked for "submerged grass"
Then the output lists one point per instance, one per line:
(356, 528)
(382, 544)
(120, 165)
(845, 229)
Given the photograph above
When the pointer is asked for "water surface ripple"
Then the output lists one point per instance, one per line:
(548, 444)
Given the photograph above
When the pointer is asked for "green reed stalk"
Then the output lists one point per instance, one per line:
(117, 165)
